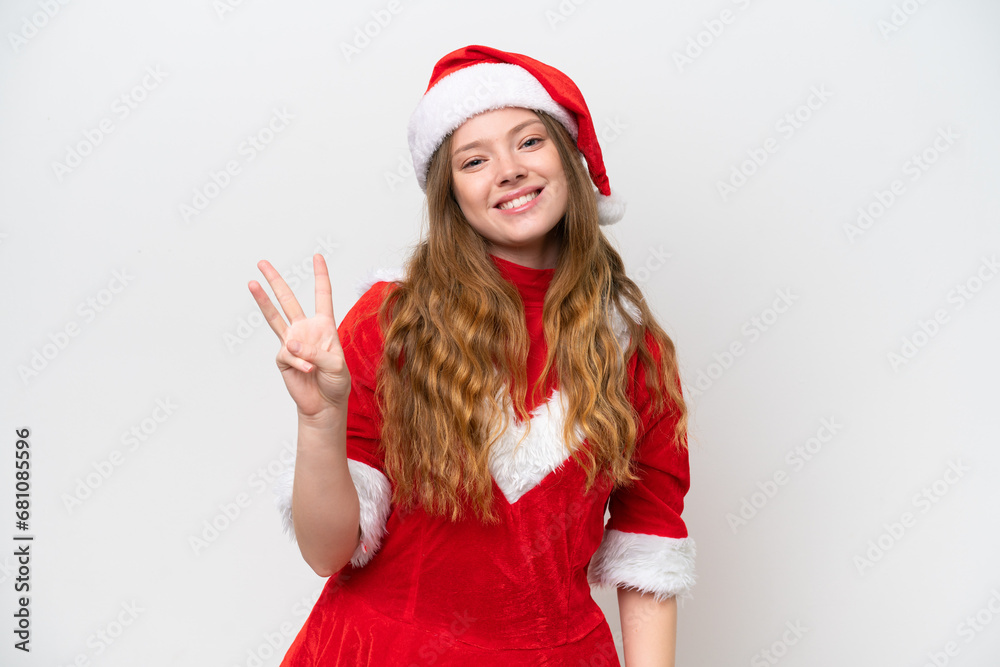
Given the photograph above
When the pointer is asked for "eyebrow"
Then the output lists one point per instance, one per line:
(513, 130)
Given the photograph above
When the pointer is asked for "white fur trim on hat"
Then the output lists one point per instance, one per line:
(374, 494)
(663, 566)
(470, 91)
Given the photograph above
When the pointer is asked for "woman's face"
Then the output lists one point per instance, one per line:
(510, 184)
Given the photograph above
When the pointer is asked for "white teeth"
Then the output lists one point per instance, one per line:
(520, 201)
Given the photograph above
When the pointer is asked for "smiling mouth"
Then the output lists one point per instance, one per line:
(520, 201)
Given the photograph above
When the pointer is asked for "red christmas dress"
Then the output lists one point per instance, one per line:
(421, 590)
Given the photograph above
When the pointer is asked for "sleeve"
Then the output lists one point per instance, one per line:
(361, 341)
(645, 545)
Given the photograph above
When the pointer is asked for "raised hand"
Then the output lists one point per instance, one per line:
(311, 360)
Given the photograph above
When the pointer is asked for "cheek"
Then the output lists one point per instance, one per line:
(466, 191)
(464, 203)
(562, 186)
(562, 197)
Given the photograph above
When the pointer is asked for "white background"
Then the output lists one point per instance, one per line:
(336, 179)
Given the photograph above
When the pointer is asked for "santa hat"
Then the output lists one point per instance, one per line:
(475, 79)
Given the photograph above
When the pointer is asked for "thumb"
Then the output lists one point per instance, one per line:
(314, 354)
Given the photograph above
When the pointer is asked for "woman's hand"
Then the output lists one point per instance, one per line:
(311, 360)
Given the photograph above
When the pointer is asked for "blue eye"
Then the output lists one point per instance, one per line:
(471, 163)
(527, 142)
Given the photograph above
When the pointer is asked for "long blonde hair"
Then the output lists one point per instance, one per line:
(459, 328)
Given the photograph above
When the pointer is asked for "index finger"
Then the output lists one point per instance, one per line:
(324, 292)
(271, 313)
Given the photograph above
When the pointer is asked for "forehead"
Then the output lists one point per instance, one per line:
(493, 122)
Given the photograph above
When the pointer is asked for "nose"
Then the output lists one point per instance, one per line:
(509, 168)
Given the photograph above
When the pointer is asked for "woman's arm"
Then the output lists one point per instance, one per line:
(325, 502)
(325, 505)
(649, 629)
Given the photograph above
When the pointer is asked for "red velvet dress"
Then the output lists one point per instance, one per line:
(422, 590)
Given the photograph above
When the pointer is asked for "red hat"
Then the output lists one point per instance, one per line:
(475, 79)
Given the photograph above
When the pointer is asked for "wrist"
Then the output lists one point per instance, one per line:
(325, 418)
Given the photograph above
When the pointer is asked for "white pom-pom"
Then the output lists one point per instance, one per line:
(610, 209)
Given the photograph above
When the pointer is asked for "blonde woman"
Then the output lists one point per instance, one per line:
(464, 429)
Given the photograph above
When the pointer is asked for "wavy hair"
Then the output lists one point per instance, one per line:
(455, 337)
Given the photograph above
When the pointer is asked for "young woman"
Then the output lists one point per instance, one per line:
(465, 428)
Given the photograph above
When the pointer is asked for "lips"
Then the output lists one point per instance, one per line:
(518, 199)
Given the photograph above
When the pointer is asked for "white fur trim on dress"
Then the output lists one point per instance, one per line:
(383, 274)
(374, 494)
(470, 91)
(518, 468)
(618, 321)
(663, 566)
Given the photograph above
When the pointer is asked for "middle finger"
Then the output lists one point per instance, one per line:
(286, 299)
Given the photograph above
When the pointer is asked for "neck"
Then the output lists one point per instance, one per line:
(543, 256)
